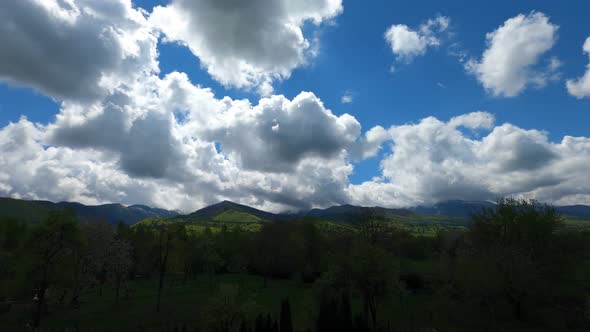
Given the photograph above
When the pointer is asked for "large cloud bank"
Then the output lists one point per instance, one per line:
(125, 134)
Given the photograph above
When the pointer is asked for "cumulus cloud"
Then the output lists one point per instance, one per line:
(407, 43)
(277, 133)
(125, 134)
(580, 88)
(369, 145)
(434, 161)
(180, 147)
(245, 44)
(169, 143)
(74, 49)
(510, 63)
(473, 120)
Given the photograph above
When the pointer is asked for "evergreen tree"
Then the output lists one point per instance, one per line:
(259, 324)
(268, 323)
(345, 313)
(328, 316)
(244, 326)
(361, 324)
(286, 324)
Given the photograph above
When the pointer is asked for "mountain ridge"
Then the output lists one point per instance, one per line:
(228, 211)
(113, 213)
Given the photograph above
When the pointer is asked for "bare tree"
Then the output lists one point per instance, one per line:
(99, 236)
(166, 234)
(118, 263)
(371, 225)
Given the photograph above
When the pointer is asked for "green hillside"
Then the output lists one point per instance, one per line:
(37, 211)
(236, 216)
(414, 223)
(26, 211)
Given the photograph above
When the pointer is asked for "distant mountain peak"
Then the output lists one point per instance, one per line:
(112, 213)
(217, 208)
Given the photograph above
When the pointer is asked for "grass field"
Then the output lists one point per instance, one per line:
(200, 303)
(194, 304)
(577, 224)
(418, 225)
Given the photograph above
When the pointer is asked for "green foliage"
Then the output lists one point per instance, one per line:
(236, 216)
(516, 266)
(24, 211)
(512, 253)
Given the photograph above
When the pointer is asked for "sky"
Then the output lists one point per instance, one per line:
(292, 104)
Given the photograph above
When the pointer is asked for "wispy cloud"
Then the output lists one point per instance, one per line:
(347, 97)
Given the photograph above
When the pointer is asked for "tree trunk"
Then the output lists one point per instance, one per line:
(366, 307)
(160, 286)
(118, 287)
(40, 303)
(518, 310)
(163, 263)
(373, 309)
(185, 276)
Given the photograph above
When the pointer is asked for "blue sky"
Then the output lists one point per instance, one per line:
(355, 59)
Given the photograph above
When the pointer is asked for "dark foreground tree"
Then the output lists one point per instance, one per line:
(118, 263)
(375, 274)
(164, 245)
(50, 249)
(512, 254)
(286, 325)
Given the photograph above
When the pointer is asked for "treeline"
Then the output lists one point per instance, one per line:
(517, 265)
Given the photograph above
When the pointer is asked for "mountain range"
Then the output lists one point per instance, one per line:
(455, 211)
(35, 211)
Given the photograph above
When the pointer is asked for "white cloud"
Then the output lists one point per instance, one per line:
(156, 142)
(123, 134)
(369, 145)
(75, 49)
(277, 133)
(347, 98)
(508, 65)
(407, 43)
(580, 88)
(129, 136)
(433, 161)
(180, 147)
(245, 44)
(473, 120)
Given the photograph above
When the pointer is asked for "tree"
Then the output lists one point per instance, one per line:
(312, 255)
(286, 325)
(210, 258)
(279, 250)
(372, 225)
(244, 326)
(345, 313)
(12, 234)
(327, 315)
(375, 274)
(259, 323)
(99, 236)
(512, 250)
(118, 263)
(163, 247)
(50, 247)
